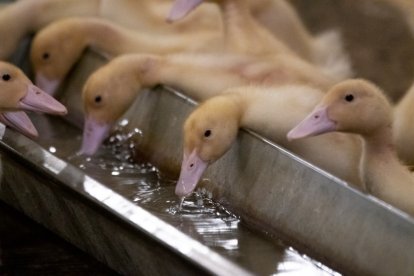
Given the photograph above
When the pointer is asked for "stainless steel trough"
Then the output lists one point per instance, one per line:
(271, 189)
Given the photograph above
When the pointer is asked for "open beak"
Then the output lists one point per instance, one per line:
(47, 85)
(38, 100)
(19, 121)
(94, 134)
(192, 169)
(181, 8)
(317, 122)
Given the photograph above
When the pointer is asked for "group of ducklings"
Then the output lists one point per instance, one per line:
(252, 63)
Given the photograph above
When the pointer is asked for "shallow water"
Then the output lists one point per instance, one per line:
(198, 216)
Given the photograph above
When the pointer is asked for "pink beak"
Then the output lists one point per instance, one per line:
(192, 169)
(181, 8)
(19, 121)
(317, 122)
(94, 134)
(38, 100)
(48, 85)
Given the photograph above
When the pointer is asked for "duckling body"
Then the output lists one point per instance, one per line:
(270, 111)
(244, 34)
(359, 107)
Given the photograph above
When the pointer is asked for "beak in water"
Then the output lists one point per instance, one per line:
(19, 121)
(317, 122)
(49, 86)
(38, 100)
(181, 8)
(94, 134)
(192, 169)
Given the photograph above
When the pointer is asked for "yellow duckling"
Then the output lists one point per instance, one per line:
(212, 128)
(21, 18)
(18, 93)
(57, 47)
(358, 106)
(110, 90)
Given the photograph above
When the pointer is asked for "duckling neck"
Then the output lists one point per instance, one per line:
(378, 154)
(105, 37)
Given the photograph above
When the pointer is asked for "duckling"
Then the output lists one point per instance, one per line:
(358, 106)
(57, 47)
(19, 93)
(212, 128)
(110, 90)
(21, 18)
(33, 15)
(244, 34)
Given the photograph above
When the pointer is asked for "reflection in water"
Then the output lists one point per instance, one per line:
(198, 215)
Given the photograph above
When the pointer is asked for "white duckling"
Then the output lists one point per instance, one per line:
(244, 34)
(212, 128)
(111, 89)
(57, 47)
(358, 106)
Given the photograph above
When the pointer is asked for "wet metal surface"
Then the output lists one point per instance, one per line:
(200, 217)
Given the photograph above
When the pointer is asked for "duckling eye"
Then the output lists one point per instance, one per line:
(6, 77)
(98, 99)
(207, 133)
(46, 55)
(349, 97)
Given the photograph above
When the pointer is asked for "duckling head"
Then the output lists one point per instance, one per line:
(355, 106)
(209, 132)
(55, 49)
(19, 93)
(107, 95)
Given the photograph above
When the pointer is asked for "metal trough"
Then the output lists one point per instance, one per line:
(268, 187)
(271, 189)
